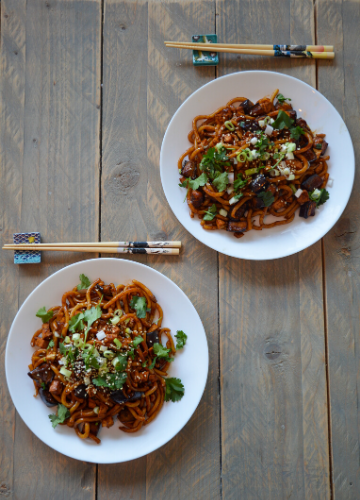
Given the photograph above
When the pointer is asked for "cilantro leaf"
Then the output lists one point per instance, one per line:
(84, 282)
(161, 351)
(239, 182)
(139, 304)
(210, 214)
(282, 99)
(214, 160)
(221, 181)
(121, 363)
(320, 199)
(62, 414)
(51, 344)
(296, 132)
(174, 389)
(153, 363)
(91, 315)
(181, 339)
(44, 315)
(131, 353)
(62, 349)
(262, 143)
(267, 197)
(76, 323)
(114, 381)
(283, 120)
(137, 340)
(200, 181)
(318, 146)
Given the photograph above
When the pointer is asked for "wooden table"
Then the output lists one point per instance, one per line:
(88, 89)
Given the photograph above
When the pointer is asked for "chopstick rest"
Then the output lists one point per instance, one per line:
(27, 256)
(202, 58)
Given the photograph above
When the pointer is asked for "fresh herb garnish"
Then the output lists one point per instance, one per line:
(282, 99)
(181, 339)
(296, 132)
(239, 182)
(282, 120)
(221, 181)
(139, 304)
(210, 214)
(174, 389)
(51, 344)
(43, 386)
(263, 143)
(121, 363)
(161, 351)
(137, 340)
(318, 146)
(321, 198)
(267, 198)
(195, 183)
(214, 160)
(44, 315)
(114, 381)
(62, 414)
(76, 324)
(151, 367)
(84, 282)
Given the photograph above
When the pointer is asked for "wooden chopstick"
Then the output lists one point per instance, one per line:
(96, 248)
(252, 46)
(274, 53)
(119, 244)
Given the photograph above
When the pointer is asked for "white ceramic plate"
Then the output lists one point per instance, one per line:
(321, 116)
(190, 365)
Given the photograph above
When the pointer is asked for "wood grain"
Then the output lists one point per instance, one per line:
(144, 83)
(339, 82)
(273, 384)
(50, 119)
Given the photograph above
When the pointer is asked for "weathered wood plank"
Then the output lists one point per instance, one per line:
(337, 23)
(188, 466)
(273, 384)
(50, 120)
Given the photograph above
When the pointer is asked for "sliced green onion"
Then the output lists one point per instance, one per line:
(230, 126)
(109, 354)
(67, 340)
(117, 343)
(118, 312)
(103, 348)
(219, 145)
(293, 188)
(115, 320)
(251, 171)
(127, 330)
(241, 157)
(96, 410)
(64, 371)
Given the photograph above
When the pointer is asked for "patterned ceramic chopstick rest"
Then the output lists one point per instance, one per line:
(27, 256)
(203, 58)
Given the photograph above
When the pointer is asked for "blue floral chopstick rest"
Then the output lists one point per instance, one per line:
(27, 256)
(202, 58)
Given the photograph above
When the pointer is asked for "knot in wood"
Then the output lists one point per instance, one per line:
(123, 178)
(272, 351)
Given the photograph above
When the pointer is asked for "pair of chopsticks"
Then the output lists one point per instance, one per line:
(310, 51)
(133, 247)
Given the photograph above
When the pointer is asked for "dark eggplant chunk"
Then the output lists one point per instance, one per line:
(293, 114)
(247, 105)
(308, 209)
(43, 374)
(257, 203)
(258, 183)
(261, 108)
(120, 398)
(94, 428)
(238, 227)
(249, 125)
(47, 398)
(256, 110)
(310, 155)
(302, 123)
(240, 212)
(312, 183)
(80, 391)
(152, 338)
(197, 199)
(324, 146)
(188, 169)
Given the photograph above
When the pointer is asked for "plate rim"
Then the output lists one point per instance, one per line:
(282, 254)
(161, 442)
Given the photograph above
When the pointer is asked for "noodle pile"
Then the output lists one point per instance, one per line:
(100, 356)
(248, 161)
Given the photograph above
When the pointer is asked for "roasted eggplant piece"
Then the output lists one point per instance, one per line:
(237, 226)
(120, 398)
(310, 155)
(80, 391)
(43, 374)
(257, 203)
(246, 106)
(249, 125)
(152, 338)
(312, 183)
(324, 146)
(197, 199)
(188, 169)
(261, 108)
(307, 210)
(47, 398)
(258, 183)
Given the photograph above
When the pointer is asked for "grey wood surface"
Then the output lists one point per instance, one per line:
(87, 91)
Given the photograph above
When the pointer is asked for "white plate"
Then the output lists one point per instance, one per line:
(321, 116)
(190, 365)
